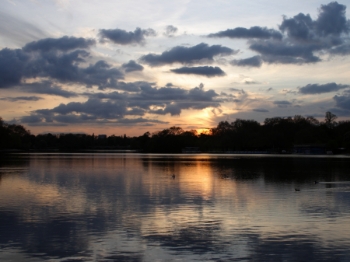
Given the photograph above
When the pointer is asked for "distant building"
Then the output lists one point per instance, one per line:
(102, 136)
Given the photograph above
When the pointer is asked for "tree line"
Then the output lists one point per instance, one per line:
(277, 134)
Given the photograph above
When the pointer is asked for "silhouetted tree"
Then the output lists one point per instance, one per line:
(276, 134)
(330, 119)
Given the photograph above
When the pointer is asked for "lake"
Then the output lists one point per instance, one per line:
(129, 207)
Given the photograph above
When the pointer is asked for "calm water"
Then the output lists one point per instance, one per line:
(127, 207)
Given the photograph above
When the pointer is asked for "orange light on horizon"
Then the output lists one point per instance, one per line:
(204, 131)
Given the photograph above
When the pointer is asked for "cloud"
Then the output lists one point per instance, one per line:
(260, 110)
(132, 66)
(118, 106)
(300, 39)
(64, 43)
(170, 31)
(94, 107)
(319, 89)
(140, 120)
(282, 103)
(187, 55)
(56, 59)
(32, 119)
(21, 98)
(122, 37)
(65, 68)
(65, 120)
(208, 71)
(298, 27)
(343, 101)
(340, 112)
(131, 86)
(254, 61)
(332, 20)
(253, 32)
(47, 88)
(306, 38)
(12, 66)
(343, 49)
(283, 53)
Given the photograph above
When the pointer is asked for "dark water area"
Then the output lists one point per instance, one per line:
(129, 207)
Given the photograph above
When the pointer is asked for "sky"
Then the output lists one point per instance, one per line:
(130, 67)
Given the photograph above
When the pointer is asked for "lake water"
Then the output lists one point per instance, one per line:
(128, 207)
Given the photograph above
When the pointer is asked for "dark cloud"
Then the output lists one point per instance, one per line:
(140, 120)
(253, 32)
(64, 120)
(300, 40)
(170, 31)
(119, 106)
(132, 66)
(254, 61)
(13, 64)
(186, 55)
(343, 101)
(32, 119)
(208, 71)
(343, 49)
(49, 58)
(332, 20)
(21, 98)
(299, 27)
(100, 74)
(133, 86)
(112, 96)
(340, 112)
(47, 88)
(260, 110)
(307, 37)
(65, 68)
(318, 89)
(123, 37)
(280, 52)
(62, 44)
(199, 94)
(282, 103)
(98, 108)
(161, 94)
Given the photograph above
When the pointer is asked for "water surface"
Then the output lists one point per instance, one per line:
(128, 207)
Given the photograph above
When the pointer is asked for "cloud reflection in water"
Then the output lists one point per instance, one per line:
(129, 208)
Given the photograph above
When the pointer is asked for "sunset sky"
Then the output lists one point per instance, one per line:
(128, 67)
